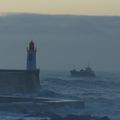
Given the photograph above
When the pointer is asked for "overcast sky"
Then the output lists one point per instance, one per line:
(79, 7)
(63, 42)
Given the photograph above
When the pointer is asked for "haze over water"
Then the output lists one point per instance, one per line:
(63, 42)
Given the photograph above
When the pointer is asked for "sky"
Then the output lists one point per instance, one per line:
(68, 34)
(74, 7)
(63, 42)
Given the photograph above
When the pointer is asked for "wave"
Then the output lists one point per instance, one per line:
(87, 83)
(51, 94)
(101, 94)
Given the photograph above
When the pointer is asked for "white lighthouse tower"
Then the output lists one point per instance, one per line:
(31, 56)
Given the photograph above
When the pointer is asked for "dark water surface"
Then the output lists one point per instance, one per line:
(101, 94)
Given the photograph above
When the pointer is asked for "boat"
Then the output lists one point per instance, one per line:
(87, 72)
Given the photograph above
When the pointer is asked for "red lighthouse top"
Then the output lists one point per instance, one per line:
(32, 45)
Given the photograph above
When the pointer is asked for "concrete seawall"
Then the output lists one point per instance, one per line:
(19, 81)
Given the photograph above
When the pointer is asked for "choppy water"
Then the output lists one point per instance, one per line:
(101, 94)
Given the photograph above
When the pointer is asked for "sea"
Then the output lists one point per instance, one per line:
(101, 95)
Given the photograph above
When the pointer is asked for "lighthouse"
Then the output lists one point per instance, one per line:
(31, 56)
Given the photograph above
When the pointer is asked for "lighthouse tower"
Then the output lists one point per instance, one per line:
(31, 56)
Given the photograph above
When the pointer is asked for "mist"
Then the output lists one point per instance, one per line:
(63, 42)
